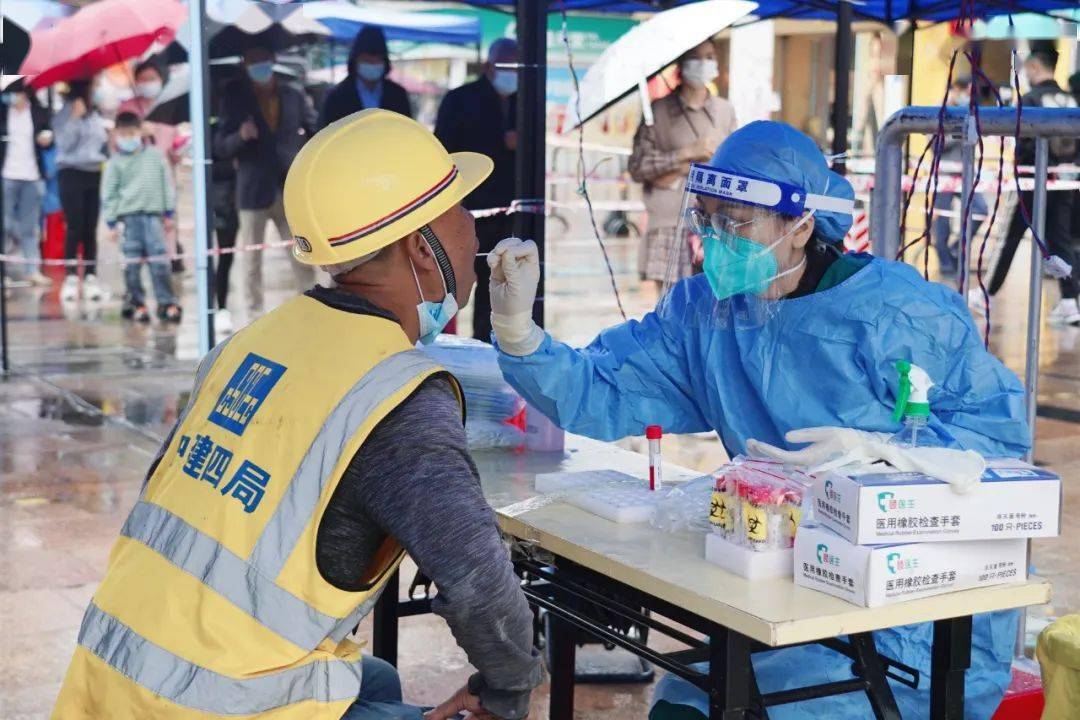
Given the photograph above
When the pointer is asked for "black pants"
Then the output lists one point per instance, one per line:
(489, 231)
(226, 227)
(80, 198)
(1058, 237)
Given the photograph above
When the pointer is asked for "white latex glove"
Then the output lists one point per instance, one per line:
(833, 447)
(830, 447)
(515, 275)
(962, 469)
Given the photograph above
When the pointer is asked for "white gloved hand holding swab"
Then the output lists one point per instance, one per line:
(515, 275)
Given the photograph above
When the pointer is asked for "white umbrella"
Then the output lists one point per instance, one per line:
(646, 50)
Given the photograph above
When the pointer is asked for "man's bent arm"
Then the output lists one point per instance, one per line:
(421, 486)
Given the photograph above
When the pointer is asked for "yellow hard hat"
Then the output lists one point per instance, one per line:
(368, 180)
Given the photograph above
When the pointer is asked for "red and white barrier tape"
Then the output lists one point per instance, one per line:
(168, 257)
(954, 184)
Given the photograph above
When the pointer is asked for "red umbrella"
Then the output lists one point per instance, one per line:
(99, 35)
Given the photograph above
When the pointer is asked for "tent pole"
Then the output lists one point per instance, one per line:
(200, 173)
(529, 162)
(845, 42)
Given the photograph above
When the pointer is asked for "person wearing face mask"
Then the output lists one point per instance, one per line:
(24, 125)
(264, 122)
(318, 447)
(81, 139)
(150, 78)
(366, 85)
(688, 125)
(480, 117)
(138, 201)
(781, 331)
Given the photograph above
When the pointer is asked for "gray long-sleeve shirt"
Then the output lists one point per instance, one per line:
(80, 142)
(413, 479)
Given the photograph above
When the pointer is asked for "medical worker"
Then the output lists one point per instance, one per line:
(781, 331)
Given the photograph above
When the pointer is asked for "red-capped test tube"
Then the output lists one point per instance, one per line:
(653, 433)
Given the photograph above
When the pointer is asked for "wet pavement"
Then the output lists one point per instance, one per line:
(92, 397)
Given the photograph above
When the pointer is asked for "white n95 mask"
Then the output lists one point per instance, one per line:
(699, 72)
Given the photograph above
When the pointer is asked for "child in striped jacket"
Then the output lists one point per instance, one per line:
(138, 201)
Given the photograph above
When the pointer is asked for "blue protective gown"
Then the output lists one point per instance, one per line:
(822, 359)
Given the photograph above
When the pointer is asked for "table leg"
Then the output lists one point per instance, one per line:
(950, 658)
(563, 659)
(731, 675)
(384, 641)
(879, 693)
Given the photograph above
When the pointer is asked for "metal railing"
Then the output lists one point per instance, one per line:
(886, 206)
(886, 203)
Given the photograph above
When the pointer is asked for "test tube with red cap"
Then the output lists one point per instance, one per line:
(653, 433)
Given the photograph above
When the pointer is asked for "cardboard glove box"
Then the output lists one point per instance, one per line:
(875, 575)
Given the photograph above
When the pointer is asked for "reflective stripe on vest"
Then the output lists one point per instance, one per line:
(228, 575)
(302, 496)
(189, 685)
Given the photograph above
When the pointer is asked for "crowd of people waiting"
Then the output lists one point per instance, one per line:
(122, 169)
(125, 168)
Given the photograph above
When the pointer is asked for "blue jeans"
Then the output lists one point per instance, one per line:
(22, 221)
(144, 237)
(942, 228)
(380, 695)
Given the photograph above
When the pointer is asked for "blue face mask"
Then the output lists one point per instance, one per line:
(505, 82)
(261, 72)
(735, 265)
(128, 144)
(372, 72)
(434, 316)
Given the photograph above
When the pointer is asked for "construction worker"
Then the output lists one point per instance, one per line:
(317, 448)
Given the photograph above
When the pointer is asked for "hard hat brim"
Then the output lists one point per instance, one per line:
(472, 169)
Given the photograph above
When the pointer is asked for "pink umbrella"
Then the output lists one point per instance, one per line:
(97, 36)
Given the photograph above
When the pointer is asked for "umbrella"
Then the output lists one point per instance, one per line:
(14, 44)
(36, 14)
(646, 50)
(97, 36)
(232, 26)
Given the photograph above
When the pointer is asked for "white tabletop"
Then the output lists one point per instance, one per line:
(672, 566)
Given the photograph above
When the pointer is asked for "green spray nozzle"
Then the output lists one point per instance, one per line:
(912, 397)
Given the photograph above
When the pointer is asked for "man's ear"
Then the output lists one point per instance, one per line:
(417, 249)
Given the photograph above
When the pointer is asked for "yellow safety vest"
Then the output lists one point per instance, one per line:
(213, 605)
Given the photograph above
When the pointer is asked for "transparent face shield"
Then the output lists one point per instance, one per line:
(740, 232)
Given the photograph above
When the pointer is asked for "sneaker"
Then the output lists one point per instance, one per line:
(142, 314)
(976, 301)
(40, 280)
(169, 313)
(127, 310)
(1066, 312)
(91, 288)
(69, 291)
(223, 321)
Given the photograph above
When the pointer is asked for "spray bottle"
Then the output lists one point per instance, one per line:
(913, 408)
